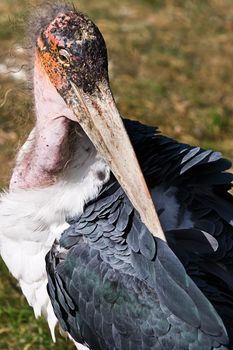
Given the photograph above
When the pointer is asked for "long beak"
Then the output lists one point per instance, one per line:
(101, 121)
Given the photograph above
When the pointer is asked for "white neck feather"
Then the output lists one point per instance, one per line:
(30, 220)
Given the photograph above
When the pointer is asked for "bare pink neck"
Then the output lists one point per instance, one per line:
(48, 151)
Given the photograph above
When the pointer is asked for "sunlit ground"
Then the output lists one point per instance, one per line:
(170, 65)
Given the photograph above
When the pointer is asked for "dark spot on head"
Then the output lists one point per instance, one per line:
(101, 175)
(81, 39)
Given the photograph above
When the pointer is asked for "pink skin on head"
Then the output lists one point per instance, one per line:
(49, 150)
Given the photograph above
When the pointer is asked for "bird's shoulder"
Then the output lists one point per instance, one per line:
(165, 160)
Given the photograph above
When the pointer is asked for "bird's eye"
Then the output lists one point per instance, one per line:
(64, 57)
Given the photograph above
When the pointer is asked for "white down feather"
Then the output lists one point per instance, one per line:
(30, 221)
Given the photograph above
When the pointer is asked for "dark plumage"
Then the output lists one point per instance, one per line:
(114, 286)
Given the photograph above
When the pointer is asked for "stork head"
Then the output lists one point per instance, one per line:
(71, 52)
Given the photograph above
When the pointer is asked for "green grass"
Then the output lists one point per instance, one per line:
(170, 65)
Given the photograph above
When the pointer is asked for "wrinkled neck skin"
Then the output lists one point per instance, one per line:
(50, 148)
(57, 171)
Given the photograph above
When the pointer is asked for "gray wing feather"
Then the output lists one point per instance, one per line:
(114, 286)
(133, 295)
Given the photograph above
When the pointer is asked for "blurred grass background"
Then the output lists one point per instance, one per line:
(171, 64)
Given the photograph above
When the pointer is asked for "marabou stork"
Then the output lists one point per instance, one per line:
(72, 225)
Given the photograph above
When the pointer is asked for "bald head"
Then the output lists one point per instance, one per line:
(71, 48)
